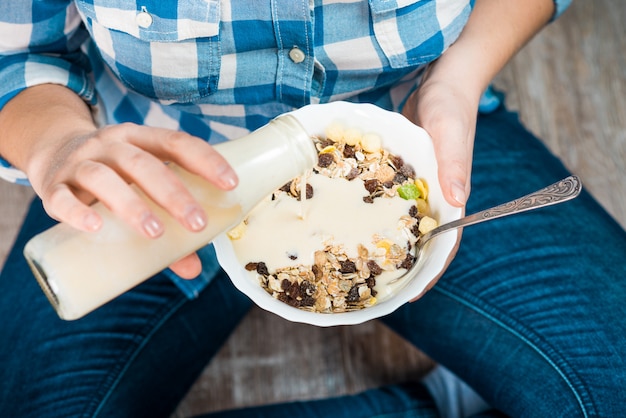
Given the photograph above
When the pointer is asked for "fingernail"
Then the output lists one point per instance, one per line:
(229, 179)
(196, 218)
(458, 192)
(92, 222)
(227, 176)
(152, 226)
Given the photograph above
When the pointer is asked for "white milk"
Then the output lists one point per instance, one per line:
(278, 235)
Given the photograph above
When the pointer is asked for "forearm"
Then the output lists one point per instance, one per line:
(496, 30)
(39, 121)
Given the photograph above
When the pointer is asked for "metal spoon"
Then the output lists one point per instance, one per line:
(559, 192)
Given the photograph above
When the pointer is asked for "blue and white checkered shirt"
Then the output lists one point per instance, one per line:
(218, 69)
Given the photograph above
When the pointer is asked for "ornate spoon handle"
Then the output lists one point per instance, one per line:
(561, 191)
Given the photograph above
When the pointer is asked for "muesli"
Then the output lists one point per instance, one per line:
(336, 282)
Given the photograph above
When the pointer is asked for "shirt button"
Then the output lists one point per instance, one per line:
(296, 55)
(143, 19)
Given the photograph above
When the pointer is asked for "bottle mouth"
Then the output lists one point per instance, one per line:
(44, 283)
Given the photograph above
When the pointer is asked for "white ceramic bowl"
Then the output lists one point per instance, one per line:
(400, 137)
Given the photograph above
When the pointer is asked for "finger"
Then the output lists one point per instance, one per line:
(110, 189)
(188, 267)
(159, 183)
(191, 153)
(62, 205)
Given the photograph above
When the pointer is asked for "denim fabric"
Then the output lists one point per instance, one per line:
(530, 314)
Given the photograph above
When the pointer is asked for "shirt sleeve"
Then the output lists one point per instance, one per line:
(560, 6)
(40, 43)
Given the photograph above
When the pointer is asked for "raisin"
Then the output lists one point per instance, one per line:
(407, 263)
(348, 151)
(307, 288)
(289, 300)
(347, 267)
(413, 211)
(261, 268)
(307, 301)
(388, 184)
(286, 187)
(368, 199)
(370, 282)
(408, 171)
(285, 284)
(317, 272)
(399, 178)
(397, 161)
(325, 142)
(353, 295)
(251, 266)
(325, 159)
(294, 290)
(375, 269)
(371, 185)
(354, 173)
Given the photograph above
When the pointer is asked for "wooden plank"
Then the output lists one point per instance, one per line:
(268, 359)
(14, 200)
(569, 85)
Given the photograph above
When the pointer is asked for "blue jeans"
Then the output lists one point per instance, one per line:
(531, 314)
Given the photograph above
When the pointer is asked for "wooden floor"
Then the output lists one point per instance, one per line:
(569, 85)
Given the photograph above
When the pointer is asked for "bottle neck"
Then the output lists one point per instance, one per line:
(269, 157)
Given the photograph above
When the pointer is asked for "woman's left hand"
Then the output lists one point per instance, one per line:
(447, 112)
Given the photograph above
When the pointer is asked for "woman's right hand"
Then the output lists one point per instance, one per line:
(48, 132)
(102, 164)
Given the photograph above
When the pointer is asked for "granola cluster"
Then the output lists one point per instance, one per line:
(336, 282)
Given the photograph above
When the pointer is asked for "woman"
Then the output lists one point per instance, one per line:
(100, 92)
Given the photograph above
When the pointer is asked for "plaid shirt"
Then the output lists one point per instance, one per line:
(217, 69)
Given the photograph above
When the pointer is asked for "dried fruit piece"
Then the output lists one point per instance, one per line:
(422, 187)
(352, 136)
(325, 160)
(334, 132)
(427, 224)
(238, 231)
(408, 191)
(371, 142)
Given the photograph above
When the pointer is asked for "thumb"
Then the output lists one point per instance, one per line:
(453, 142)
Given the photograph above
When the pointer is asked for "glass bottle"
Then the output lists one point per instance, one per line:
(80, 271)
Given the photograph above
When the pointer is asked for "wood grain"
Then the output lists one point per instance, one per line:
(569, 86)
